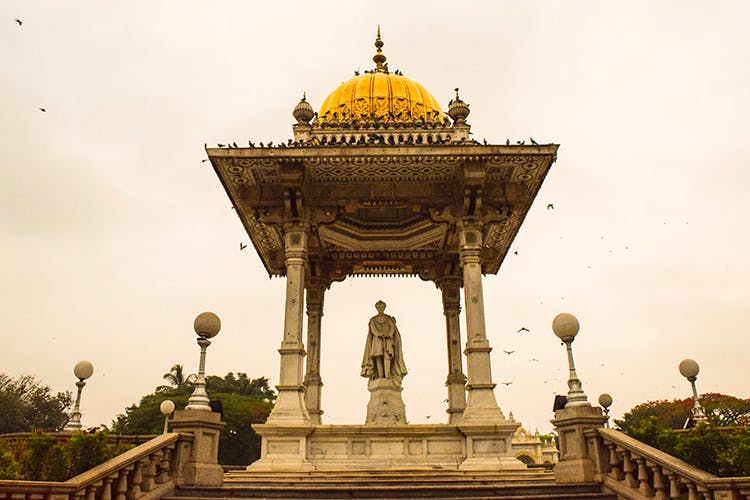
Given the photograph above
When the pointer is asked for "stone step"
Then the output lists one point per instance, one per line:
(355, 477)
(415, 490)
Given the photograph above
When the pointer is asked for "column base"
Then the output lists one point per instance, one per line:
(489, 446)
(481, 406)
(283, 447)
(289, 408)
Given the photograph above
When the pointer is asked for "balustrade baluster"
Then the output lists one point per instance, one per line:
(107, 488)
(692, 495)
(135, 483)
(91, 492)
(122, 485)
(615, 464)
(658, 482)
(644, 486)
(674, 485)
(163, 475)
(149, 473)
(627, 468)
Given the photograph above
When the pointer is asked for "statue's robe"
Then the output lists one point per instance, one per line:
(383, 339)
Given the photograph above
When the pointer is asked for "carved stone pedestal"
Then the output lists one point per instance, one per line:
(386, 405)
(202, 467)
(576, 464)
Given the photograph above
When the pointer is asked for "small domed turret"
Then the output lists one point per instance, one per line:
(303, 112)
(458, 110)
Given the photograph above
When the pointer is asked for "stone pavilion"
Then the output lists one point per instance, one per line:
(381, 181)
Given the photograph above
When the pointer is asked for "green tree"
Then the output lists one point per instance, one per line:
(28, 405)
(8, 464)
(244, 401)
(44, 459)
(241, 384)
(722, 411)
(177, 378)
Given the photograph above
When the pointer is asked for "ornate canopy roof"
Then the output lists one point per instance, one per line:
(382, 193)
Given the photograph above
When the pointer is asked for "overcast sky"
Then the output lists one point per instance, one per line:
(114, 234)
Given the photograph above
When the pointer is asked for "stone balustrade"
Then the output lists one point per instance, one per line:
(634, 470)
(146, 472)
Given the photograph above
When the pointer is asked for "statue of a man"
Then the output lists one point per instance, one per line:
(383, 357)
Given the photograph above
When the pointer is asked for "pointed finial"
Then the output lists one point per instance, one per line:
(458, 99)
(304, 97)
(379, 57)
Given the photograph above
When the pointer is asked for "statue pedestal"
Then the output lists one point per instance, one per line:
(386, 405)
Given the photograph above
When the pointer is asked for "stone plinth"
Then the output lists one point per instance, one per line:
(386, 406)
(375, 447)
(202, 467)
(283, 447)
(490, 447)
(576, 465)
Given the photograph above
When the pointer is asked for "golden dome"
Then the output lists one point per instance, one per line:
(381, 96)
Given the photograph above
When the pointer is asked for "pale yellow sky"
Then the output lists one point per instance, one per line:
(115, 234)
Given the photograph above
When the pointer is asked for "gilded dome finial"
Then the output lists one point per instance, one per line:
(379, 57)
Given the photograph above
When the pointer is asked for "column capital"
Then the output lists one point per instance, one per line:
(448, 282)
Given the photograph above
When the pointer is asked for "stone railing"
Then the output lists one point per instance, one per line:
(634, 470)
(146, 472)
(12, 439)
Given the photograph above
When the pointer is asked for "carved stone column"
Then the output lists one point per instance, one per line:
(456, 382)
(290, 406)
(481, 405)
(313, 383)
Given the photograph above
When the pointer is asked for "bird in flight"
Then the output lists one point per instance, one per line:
(42, 110)
(534, 359)
(242, 246)
(509, 352)
(550, 206)
(522, 329)
(445, 401)
(18, 21)
(204, 160)
(427, 416)
(515, 253)
(506, 383)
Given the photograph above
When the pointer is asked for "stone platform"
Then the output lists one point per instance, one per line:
(387, 447)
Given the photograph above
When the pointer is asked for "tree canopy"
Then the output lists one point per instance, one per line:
(29, 405)
(722, 411)
(722, 447)
(244, 402)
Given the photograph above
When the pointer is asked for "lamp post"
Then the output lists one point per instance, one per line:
(566, 327)
(206, 325)
(82, 371)
(689, 369)
(605, 401)
(166, 408)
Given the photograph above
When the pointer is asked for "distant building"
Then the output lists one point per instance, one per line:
(534, 448)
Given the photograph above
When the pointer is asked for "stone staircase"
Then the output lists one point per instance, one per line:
(396, 484)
